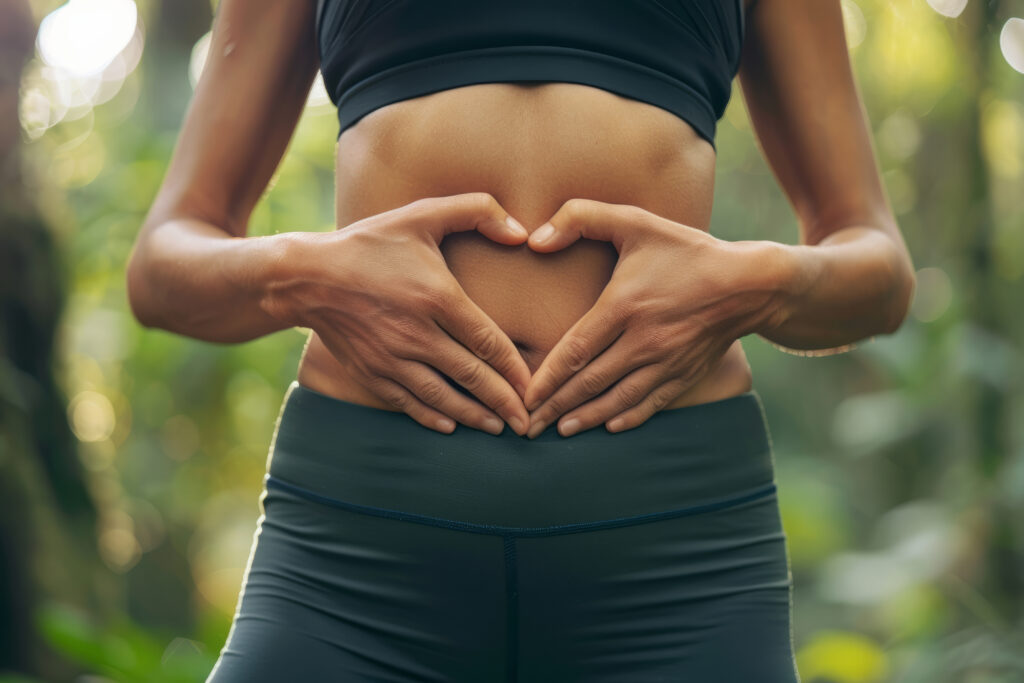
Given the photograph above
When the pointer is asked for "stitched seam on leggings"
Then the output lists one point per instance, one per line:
(511, 609)
(500, 530)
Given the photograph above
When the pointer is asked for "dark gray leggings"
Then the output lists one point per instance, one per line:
(390, 552)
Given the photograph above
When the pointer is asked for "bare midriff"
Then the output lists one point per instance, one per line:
(532, 146)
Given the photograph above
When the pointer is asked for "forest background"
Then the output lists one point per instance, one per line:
(131, 459)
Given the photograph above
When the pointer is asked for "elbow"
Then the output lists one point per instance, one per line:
(904, 287)
(136, 289)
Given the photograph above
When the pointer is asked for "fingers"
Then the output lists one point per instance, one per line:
(635, 397)
(408, 317)
(591, 219)
(589, 336)
(460, 317)
(402, 374)
(657, 399)
(480, 211)
(450, 357)
(610, 366)
(435, 392)
(401, 398)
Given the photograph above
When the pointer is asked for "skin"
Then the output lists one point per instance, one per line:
(423, 288)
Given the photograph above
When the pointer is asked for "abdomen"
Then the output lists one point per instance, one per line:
(532, 146)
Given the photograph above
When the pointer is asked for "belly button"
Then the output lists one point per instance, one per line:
(524, 349)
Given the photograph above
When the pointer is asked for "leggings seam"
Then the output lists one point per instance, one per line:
(500, 530)
(511, 608)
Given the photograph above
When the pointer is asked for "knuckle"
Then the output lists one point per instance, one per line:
(407, 331)
(503, 407)
(656, 340)
(431, 290)
(574, 208)
(627, 307)
(420, 207)
(556, 405)
(400, 220)
(488, 202)
(481, 199)
(576, 354)
(390, 393)
(473, 202)
(484, 341)
(662, 396)
(630, 394)
(432, 392)
(372, 373)
(592, 383)
(633, 301)
(469, 374)
(371, 366)
(432, 299)
(637, 215)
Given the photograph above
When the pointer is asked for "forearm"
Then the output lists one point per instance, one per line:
(855, 284)
(189, 277)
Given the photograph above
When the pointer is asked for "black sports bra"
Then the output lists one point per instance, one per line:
(680, 55)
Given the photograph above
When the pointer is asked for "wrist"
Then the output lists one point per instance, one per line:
(779, 273)
(283, 274)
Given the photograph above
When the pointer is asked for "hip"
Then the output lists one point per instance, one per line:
(679, 460)
(389, 551)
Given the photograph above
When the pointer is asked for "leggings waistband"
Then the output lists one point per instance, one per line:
(680, 460)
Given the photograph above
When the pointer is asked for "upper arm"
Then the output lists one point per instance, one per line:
(261, 63)
(803, 101)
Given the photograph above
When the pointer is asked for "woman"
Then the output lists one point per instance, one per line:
(395, 547)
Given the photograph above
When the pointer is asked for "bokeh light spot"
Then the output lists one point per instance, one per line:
(91, 416)
(948, 8)
(1002, 136)
(1011, 42)
(86, 49)
(842, 657)
(119, 549)
(854, 22)
(899, 135)
(84, 36)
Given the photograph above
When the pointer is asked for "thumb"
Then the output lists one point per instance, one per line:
(587, 218)
(480, 211)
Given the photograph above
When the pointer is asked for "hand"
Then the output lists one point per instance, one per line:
(380, 295)
(677, 300)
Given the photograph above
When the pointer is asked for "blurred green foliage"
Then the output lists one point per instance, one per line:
(900, 463)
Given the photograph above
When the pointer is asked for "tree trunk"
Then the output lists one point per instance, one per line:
(47, 518)
(1003, 568)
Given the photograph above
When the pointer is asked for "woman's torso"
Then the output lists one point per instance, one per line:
(532, 146)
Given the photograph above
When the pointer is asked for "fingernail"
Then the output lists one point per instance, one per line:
(516, 226)
(543, 233)
(494, 425)
(569, 427)
(616, 424)
(517, 425)
(536, 429)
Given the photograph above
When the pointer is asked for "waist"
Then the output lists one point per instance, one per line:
(681, 461)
